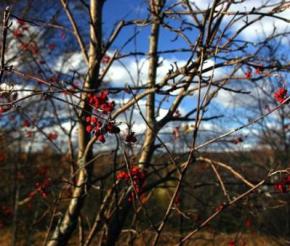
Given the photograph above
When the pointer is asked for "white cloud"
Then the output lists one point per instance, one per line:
(264, 27)
(259, 29)
(202, 4)
(209, 126)
(131, 73)
(70, 62)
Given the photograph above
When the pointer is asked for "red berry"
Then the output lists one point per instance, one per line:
(17, 33)
(89, 128)
(101, 138)
(26, 123)
(248, 75)
(88, 119)
(106, 59)
(232, 243)
(280, 94)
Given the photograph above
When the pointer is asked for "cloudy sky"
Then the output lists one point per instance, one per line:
(227, 103)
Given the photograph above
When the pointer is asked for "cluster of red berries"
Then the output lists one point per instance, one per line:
(280, 95)
(52, 136)
(26, 123)
(101, 103)
(95, 125)
(136, 174)
(100, 129)
(18, 32)
(284, 185)
(4, 109)
(41, 188)
(249, 74)
(30, 46)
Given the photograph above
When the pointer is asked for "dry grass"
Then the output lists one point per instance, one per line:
(210, 239)
(168, 239)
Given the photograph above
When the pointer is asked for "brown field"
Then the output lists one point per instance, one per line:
(199, 239)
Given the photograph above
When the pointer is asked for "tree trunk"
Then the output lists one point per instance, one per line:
(118, 219)
(148, 146)
(67, 224)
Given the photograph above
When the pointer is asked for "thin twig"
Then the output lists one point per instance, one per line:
(76, 31)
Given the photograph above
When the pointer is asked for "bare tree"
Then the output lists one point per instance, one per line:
(41, 84)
